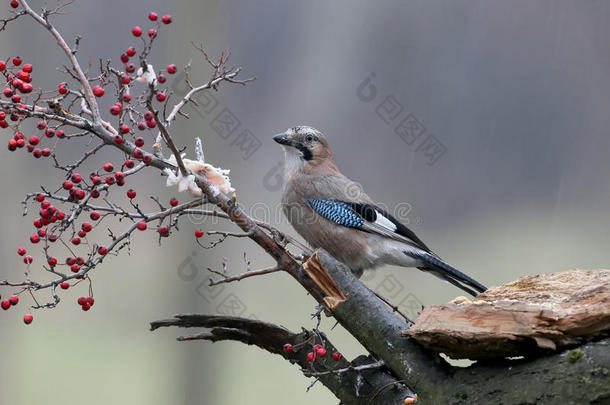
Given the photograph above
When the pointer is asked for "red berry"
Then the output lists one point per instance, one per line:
(65, 285)
(129, 163)
(34, 238)
(5, 304)
(76, 241)
(110, 180)
(136, 31)
(52, 261)
(124, 58)
(124, 129)
(171, 69)
(102, 250)
(27, 68)
(138, 154)
(336, 356)
(67, 185)
(2, 65)
(98, 91)
(76, 178)
(161, 97)
(108, 167)
(198, 233)
(311, 356)
(151, 123)
(118, 139)
(148, 116)
(152, 33)
(82, 300)
(131, 51)
(94, 215)
(14, 300)
(86, 226)
(49, 133)
(17, 61)
(164, 230)
(37, 153)
(125, 79)
(142, 225)
(147, 159)
(63, 88)
(131, 193)
(33, 140)
(161, 78)
(75, 268)
(167, 19)
(139, 141)
(27, 319)
(60, 134)
(21, 251)
(90, 301)
(321, 352)
(115, 109)
(16, 98)
(173, 202)
(287, 348)
(14, 3)
(126, 98)
(152, 16)
(86, 307)
(141, 126)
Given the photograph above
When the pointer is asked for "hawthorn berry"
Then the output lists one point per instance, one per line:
(42, 233)
(118, 139)
(49, 132)
(17, 61)
(86, 307)
(67, 185)
(311, 356)
(131, 193)
(76, 178)
(173, 202)
(60, 134)
(171, 69)
(102, 250)
(14, 300)
(152, 16)
(90, 301)
(81, 300)
(142, 225)
(115, 109)
(8, 92)
(76, 241)
(98, 91)
(125, 79)
(2, 65)
(287, 348)
(130, 68)
(126, 98)
(164, 231)
(148, 116)
(34, 238)
(321, 352)
(27, 319)
(124, 58)
(119, 176)
(198, 233)
(151, 123)
(52, 261)
(63, 88)
(161, 78)
(131, 51)
(136, 31)
(147, 159)
(129, 163)
(152, 33)
(33, 140)
(86, 226)
(110, 180)
(167, 19)
(53, 237)
(138, 154)
(21, 251)
(16, 98)
(161, 97)
(75, 268)
(27, 88)
(64, 285)
(108, 167)
(141, 126)
(70, 261)
(5, 304)
(95, 193)
(139, 141)
(37, 153)
(95, 215)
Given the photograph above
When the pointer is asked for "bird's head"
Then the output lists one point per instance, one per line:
(304, 147)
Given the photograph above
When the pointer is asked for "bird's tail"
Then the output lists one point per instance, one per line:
(446, 272)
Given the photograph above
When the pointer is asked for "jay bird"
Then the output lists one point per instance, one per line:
(331, 212)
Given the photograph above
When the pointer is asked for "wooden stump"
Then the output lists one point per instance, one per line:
(531, 315)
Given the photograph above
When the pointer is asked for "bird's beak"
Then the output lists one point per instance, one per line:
(282, 139)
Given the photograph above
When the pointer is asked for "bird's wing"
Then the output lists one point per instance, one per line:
(367, 218)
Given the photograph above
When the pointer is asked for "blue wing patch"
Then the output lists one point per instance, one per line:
(336, 211)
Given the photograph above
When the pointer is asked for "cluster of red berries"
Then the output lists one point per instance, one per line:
(317, 352)
(11, 302)
(85, 302)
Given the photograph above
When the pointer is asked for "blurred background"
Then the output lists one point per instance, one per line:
(483, 125)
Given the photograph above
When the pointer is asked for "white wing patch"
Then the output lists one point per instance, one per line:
(384, 222)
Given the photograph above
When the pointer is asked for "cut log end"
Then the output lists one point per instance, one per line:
(531, 315)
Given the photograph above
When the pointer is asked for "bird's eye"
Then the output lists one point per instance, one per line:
(309, 138)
